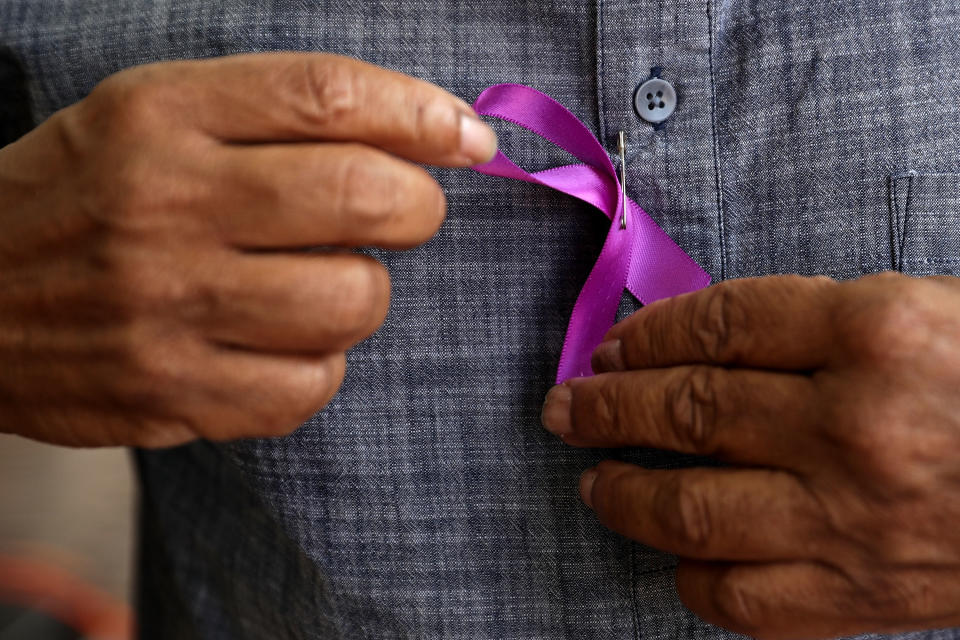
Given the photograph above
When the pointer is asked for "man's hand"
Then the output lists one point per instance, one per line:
(837, 409)
(152, 284)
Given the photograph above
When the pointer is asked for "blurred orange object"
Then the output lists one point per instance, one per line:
(41, 586)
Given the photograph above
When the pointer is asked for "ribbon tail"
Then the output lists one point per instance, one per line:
(596, 308)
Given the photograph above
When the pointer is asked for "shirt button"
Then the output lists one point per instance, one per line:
(655, 100)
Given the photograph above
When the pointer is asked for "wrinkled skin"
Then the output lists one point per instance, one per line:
(836, 407)
(153, 287)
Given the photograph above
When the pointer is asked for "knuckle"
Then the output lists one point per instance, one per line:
(613, 498)
(107, 98)
(134, 199)
(145, 107)
(134, 101)
(686, 512)
(282, 421)
(433, 208)
(253, 413)
(141, 195)
(894, 326)
(892, 595)
(195, 300)
(134, 286)
(914, 599)
(885, 278)
(362, 296)
(368, 192)
(249, 411)
(329, 86)
(895, 546)
(436, 122)
(157, 364)
(328, 376)
(153, 363)
(157, 433)
(71, 130)
(875, 439)
(715, 326)
(311, 390)
(737, 605)
(604, 418)
(692, 409)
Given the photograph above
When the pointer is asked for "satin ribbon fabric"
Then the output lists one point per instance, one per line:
(641, 258)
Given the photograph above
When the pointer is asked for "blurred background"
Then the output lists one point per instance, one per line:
(66, 541)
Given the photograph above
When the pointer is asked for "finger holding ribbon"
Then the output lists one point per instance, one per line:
(835, 407)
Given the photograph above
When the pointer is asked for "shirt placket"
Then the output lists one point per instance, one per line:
(671, 167)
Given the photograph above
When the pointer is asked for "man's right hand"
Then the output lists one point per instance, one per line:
(152, 287)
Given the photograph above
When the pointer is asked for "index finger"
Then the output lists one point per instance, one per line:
(776, 322)
(287, 97)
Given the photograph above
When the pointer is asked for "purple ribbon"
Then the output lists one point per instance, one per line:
(641, 258)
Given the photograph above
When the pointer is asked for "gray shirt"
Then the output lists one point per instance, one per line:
(426, 501)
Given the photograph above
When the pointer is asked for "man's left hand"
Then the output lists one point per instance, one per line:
(836, 407)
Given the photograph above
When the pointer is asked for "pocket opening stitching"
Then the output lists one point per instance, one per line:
(900, 205)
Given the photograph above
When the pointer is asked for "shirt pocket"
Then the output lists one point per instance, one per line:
(925, 223)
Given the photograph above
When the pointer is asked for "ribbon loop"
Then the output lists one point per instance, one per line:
(641, 258)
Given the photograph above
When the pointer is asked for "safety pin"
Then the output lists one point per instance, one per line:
(622, 144)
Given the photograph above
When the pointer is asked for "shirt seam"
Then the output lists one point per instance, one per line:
(721, 223)
(601, 64)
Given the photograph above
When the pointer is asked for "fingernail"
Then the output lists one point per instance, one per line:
(586, 486)
(477, 141)
(556, 410)
(608, 357)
